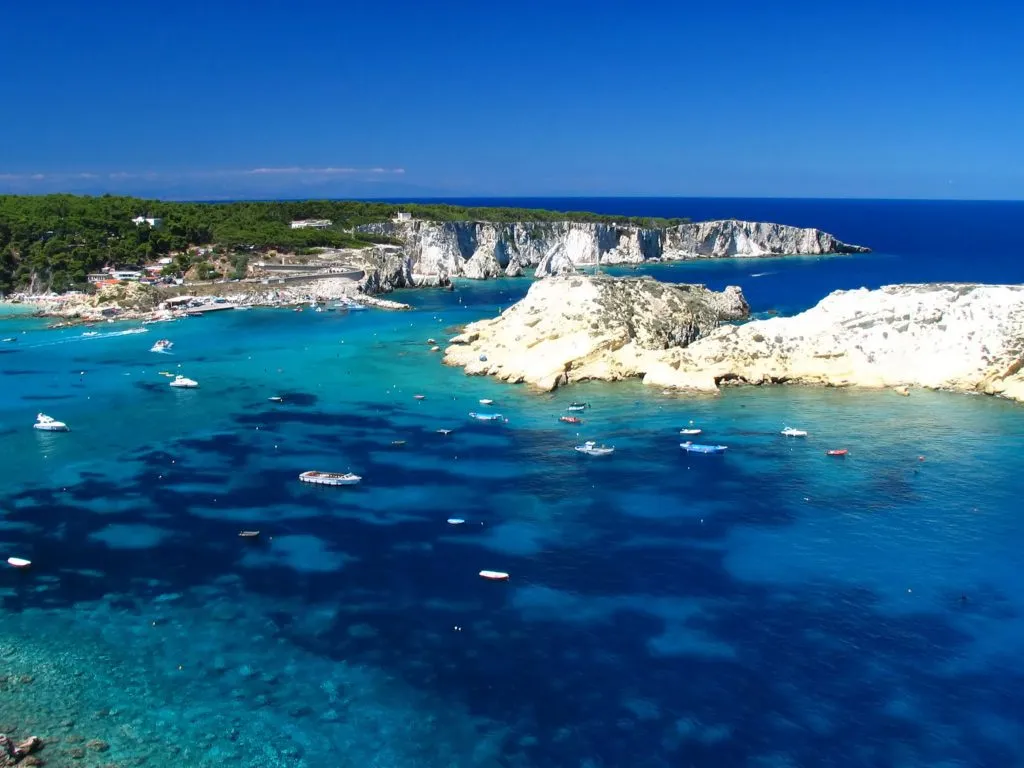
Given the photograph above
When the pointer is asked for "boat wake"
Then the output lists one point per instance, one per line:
(761, 274)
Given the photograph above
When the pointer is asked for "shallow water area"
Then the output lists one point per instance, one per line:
(769, 606)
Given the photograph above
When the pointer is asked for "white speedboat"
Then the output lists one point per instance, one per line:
(329, 478)
(183, 382)
(18, 562)
(494, 575)
(591, 448)
(45, 424)
(89, 334)
(162, 345)
(445, 432)
(486, 401)
(692, 431)
(792, 432)
(276, 399)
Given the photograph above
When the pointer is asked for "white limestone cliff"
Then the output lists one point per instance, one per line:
(485, 249)
(961, 337)
(578, 327)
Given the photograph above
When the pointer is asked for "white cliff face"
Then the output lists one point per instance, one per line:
(962, 337)
(575, 328)
(483, 249)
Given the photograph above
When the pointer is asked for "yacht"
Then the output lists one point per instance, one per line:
(183, 382)
(45, 424)
(162, 345)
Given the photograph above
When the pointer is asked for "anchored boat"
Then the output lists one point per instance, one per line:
(486, 416)
(691, 431)
(45, 424)
(18, 562)
(792, 432)
(183, 382)
(494, 575)
(570, 419)
(591, 448)
(329, 478)
(578, 406)
(837, 452)
(698, 448)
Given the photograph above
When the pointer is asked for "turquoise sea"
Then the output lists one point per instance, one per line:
(772, 607)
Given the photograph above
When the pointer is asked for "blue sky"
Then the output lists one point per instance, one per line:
(265, 99)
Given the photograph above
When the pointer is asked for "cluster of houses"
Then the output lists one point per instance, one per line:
(149, 275)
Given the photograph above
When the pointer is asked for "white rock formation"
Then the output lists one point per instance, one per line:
(575, 328)
(483, 249)
(963, 337)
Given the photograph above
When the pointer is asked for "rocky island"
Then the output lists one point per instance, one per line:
(592, 327)
(962, 337)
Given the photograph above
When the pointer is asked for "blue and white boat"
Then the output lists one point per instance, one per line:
(577, 406)
(698, 448)
(486, 416)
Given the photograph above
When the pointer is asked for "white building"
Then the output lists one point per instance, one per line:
(154, 222)
(311, 224)
(403, 216)
(125, 274)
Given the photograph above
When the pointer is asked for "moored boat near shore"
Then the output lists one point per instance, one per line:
(698, 448)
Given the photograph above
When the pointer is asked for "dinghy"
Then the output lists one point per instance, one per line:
(494, 575)
(18, 562)
(591, 448)
(330, 478)
(792, 432)
(45, 424)
(698, 448)
(837, 452)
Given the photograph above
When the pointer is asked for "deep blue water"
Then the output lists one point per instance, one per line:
(770, 607)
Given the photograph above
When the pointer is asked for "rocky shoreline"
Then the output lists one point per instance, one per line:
(133, 301)
(958, 337)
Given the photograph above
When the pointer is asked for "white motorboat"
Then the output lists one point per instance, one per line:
(494, 575)
(329, 478)
(792, 432)
(591, 448)
(486, 401)
(455, 521)
(276, 399)
(45, 424)
(88, 334)
(183, 382)
(692, 431)
(162, 345)
(18, 562)
(9, 340)
(445, 432)
(487, 416)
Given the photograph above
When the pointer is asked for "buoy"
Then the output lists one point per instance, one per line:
(494, 575)
(19, 562)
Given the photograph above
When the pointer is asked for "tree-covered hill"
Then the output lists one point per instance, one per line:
(54, 241)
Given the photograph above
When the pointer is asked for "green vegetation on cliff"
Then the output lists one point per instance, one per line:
(54, 241)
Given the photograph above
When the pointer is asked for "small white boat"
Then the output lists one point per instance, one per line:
(162, 345)
(276, 399)
(494, 575)
(577, 407)
(485, 401)
(444, 432)
(91, 333)
(591, 448)
(487, 416)
(694, 431)
(9, 340)
(435, 348)
(45, 424)
(18, 562)
(419, 397)
(792, 432)
(183, 382)
(431, 341)
(248, 534)
(330, 478)
(455, 521)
